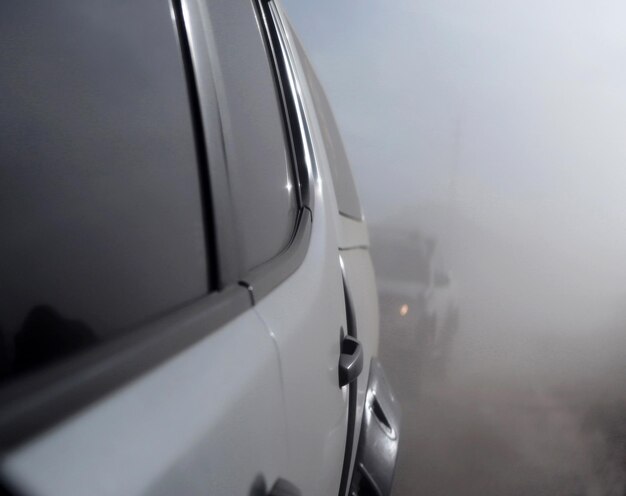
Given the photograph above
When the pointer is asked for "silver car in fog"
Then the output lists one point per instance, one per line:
(417, 297)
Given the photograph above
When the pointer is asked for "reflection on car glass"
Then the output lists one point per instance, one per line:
(45, 336)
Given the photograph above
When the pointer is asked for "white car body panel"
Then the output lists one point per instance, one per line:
(305, 315)
(351, 233)
(209, 420)
(309, 338)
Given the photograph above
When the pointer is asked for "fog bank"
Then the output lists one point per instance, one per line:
(498, 129)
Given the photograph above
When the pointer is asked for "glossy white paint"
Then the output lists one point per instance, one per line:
(351, 234)
(208, 421)
(336, 242)
(305, 315)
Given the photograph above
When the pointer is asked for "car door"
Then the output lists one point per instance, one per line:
(361, 302)
(299, 293)
(132, 361)
(313, 314)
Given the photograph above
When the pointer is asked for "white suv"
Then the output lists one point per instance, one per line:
(187, 301)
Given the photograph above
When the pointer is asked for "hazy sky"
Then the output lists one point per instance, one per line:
(512, 113)
(524, 99)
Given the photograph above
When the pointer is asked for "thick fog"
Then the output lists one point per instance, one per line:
(497, 129)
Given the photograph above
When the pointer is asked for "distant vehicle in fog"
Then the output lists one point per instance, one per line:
(418, 298)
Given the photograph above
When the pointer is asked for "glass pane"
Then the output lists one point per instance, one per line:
(100, 209)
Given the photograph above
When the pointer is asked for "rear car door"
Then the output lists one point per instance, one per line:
(373, 421)
(131, 360)
(297, 292)
(312, 313)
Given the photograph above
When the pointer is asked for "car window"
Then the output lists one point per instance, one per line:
(100, 203)
(260, 171)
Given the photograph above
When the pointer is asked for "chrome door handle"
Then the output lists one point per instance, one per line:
(350, 360)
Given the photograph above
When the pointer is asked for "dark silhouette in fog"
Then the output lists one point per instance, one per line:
(418, 301)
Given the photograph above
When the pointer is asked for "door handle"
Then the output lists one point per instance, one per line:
(283, 487)
(350, 360)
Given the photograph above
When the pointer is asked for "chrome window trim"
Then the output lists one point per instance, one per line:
(263, 279)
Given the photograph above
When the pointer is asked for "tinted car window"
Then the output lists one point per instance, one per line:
(260, 169)
(100, 204)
